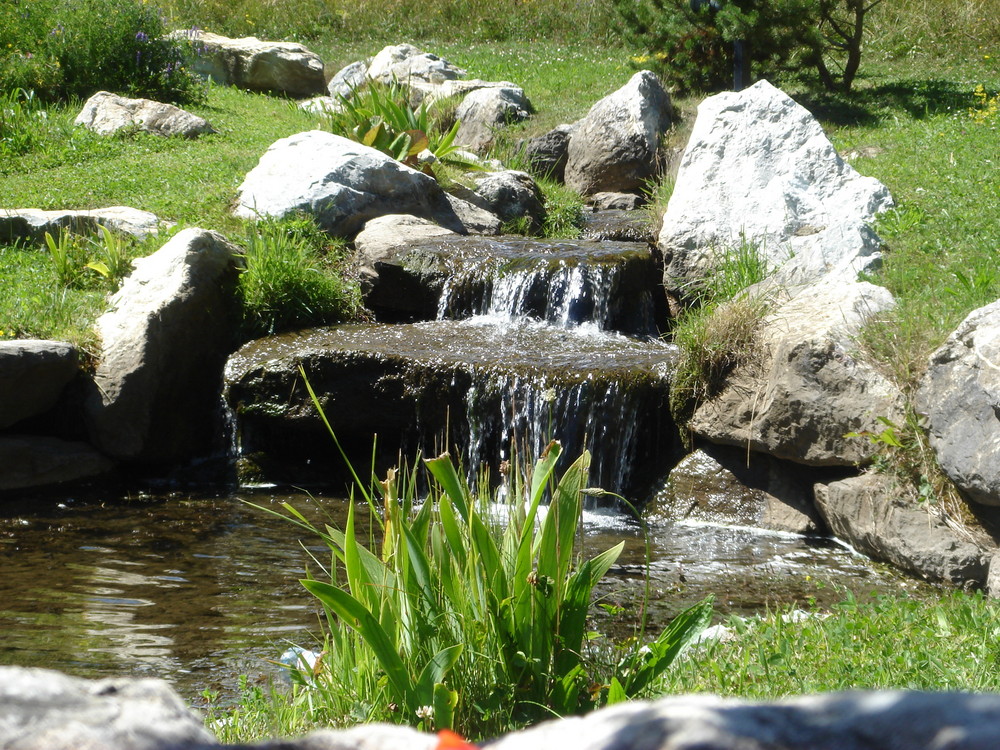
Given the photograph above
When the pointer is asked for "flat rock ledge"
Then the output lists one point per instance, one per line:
(46, 710)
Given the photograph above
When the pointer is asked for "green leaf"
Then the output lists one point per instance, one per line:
(616, 693)
(435, 672)
(356, 615)
(643, 665)
(444, 471)
(445, 703)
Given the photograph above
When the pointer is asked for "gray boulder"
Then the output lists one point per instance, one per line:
(547, 154)
(404, 63)
(485, 110)
(382, 241)
(164, 339)
(38, 461)
(45, 710)
(510, 195)
(106, 113)
(727, 485)
(883, 521)
(759, 169)
(807, 388)
(321, 105)
(249, 63)
(33, 374)
(960, 396)
(33, 223)
(348, 79)
(343, 184)
(614, 147)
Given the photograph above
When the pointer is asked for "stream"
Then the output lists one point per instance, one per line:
(200, 588)
(532, 340)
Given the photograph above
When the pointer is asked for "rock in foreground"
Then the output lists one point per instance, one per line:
(45, 710)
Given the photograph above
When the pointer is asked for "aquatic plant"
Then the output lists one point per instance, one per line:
(470, 612)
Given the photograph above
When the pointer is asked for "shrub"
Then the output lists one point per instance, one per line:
(293, 278)
(691, 49)
(73, 48)
(470, 614)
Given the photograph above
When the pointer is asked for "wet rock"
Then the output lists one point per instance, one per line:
(759, 169)
(343, 184)
(471, 386)
(348, 79)
(728, 485)
(249, 63)
(33, 373)
(38, 461)
(859, 720)
(32, 223)
(106, 113)
(547, 154)
(806, 388)
(164, 338)
(403, 63)
(395, 288)
(614, 147)
(485, 110)
(960, 396)
(611, 286)
(883, 521)
(41, 709)
(618, 226)
(616, 201)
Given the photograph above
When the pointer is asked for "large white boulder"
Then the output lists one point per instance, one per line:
(106, 113)
(343, 184)
(613, 149)
(807, 387)
(249, 63)
(960, 396)
(164, 341)
(758, 168)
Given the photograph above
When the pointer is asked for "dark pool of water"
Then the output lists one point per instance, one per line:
(200, 588)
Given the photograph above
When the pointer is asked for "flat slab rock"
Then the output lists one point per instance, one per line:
(33, 223)
(106, 113)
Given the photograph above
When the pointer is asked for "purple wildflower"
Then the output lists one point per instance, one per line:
(142, 36)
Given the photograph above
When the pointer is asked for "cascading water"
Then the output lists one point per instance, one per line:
(528, 347)
(602, 285)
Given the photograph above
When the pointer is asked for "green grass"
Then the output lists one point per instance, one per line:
(951, 643)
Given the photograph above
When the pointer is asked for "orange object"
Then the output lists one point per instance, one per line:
(449, 740)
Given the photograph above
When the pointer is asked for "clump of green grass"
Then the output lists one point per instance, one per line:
(294, 278)
(719, 330)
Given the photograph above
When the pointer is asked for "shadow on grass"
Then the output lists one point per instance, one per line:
(917, 98)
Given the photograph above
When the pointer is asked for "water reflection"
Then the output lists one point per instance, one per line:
(199, 589)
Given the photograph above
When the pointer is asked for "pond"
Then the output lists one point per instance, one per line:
(200, 587)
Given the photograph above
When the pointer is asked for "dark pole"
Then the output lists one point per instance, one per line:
(741, 64)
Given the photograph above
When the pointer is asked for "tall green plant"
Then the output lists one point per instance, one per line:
(463, 619)
(380, 116)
